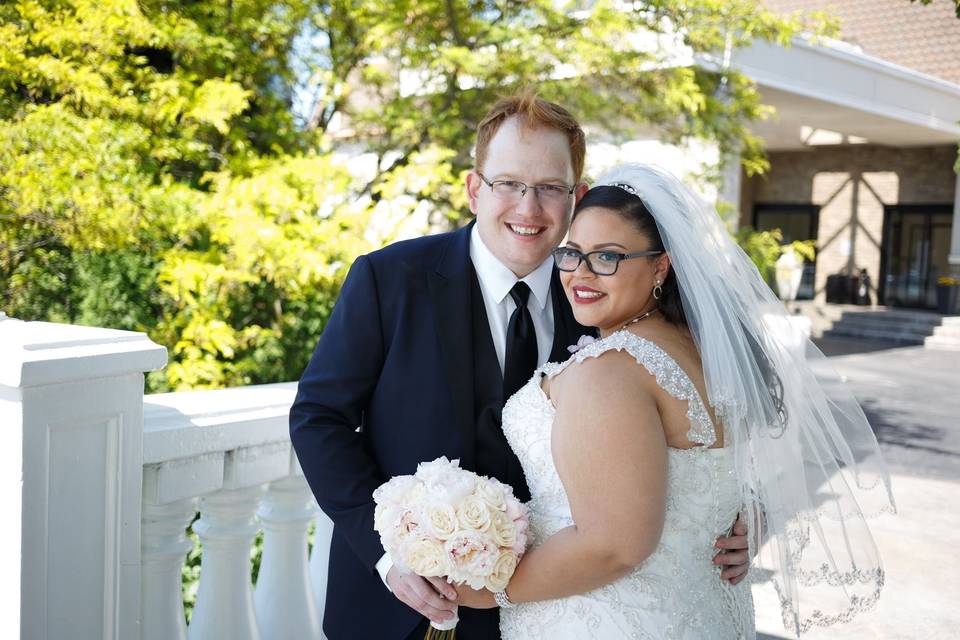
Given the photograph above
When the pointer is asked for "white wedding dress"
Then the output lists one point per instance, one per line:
(677, 591)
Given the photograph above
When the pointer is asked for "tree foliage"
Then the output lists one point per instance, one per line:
(156, 175)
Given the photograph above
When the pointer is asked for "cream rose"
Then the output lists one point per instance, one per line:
(492, 493)
(503, 530)
(442, 520)
(425, 557)
(502, 571)
(473, 514)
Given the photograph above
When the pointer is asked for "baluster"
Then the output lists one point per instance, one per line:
(164, 545)
(320, 560)
(284, 598)
(224, 608)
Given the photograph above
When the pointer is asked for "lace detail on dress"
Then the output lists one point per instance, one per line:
(664, 368)
(675, 593)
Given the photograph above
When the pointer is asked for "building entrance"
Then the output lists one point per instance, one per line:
(916, 246)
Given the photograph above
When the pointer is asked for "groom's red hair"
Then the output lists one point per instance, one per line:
(533, 112)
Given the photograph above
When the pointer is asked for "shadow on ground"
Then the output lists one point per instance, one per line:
(846, 347)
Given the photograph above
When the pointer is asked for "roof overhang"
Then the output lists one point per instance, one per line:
(831, 95)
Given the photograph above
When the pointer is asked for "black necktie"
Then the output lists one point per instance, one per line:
(521, 358)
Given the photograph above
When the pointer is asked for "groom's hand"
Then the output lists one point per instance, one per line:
(733, 554)
(433, 599)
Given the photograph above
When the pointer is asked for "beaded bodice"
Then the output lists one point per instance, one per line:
(674, 593)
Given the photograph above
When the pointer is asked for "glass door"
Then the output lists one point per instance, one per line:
(916, 246)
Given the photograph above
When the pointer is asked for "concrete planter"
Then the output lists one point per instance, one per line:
(948, 296)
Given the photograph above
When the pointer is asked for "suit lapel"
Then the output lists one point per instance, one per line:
(450, 286)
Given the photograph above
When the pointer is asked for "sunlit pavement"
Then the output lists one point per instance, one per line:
(912, 397)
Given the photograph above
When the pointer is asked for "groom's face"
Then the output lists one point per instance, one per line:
(522, 233)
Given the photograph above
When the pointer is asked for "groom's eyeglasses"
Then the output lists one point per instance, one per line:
(513, 191)
(602, 263)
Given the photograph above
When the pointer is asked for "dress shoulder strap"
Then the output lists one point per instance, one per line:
(668, 374)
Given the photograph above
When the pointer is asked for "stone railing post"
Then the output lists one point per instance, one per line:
(71, 411)
(320, 560)
(284, 598)
(165, 545)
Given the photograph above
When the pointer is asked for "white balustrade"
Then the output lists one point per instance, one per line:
(284, 597)
(105, 482)
(231, 450)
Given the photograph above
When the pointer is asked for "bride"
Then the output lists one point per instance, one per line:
(695, 404)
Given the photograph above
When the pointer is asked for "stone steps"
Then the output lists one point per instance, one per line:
(879, 335)
(896, 326)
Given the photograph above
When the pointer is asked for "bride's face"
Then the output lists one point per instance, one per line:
(607, 302)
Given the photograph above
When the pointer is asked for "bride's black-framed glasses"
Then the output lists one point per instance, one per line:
(602, 263)
(514, 190)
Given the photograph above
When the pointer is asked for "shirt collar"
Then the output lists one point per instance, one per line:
(498, 280)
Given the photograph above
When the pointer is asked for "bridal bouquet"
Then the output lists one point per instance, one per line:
(445, 521)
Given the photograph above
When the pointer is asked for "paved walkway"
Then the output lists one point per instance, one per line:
(920, 547)
(912, 396)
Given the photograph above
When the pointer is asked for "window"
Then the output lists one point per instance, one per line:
(796, 222)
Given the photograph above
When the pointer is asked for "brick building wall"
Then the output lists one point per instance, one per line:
(851, 185)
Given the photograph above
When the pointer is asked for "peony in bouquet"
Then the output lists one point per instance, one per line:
(445, 521)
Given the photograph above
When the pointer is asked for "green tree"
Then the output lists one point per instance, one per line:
(155, 176)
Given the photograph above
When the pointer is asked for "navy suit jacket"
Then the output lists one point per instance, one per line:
(395, 360)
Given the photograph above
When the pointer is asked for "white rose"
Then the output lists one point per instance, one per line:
(416, 493)
(515, 509)
(441, 520)
(491, 493)
(445, 481)
(425, 557)
(455, 488)
(520, 546)
(386, 518)
(503, 530)
(435, 471)
(502, 571)
(395, 491)
(473, 514)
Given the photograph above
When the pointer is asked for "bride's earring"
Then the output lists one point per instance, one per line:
(657, 291)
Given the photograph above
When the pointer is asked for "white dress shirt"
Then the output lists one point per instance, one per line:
(496, 281)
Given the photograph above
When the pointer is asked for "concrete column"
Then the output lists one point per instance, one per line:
(955, 237)
(730, 191)
(71, 408)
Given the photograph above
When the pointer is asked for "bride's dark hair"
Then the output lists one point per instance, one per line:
(632, 209)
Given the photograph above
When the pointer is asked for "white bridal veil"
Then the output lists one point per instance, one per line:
(808, 463)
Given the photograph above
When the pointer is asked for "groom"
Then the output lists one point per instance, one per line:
(427, 341)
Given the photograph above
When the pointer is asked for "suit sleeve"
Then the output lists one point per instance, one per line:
(331, 398)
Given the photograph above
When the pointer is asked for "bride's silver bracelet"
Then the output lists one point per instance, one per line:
(502, 600)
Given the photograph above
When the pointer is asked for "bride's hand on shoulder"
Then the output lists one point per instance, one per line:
(474, 598)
